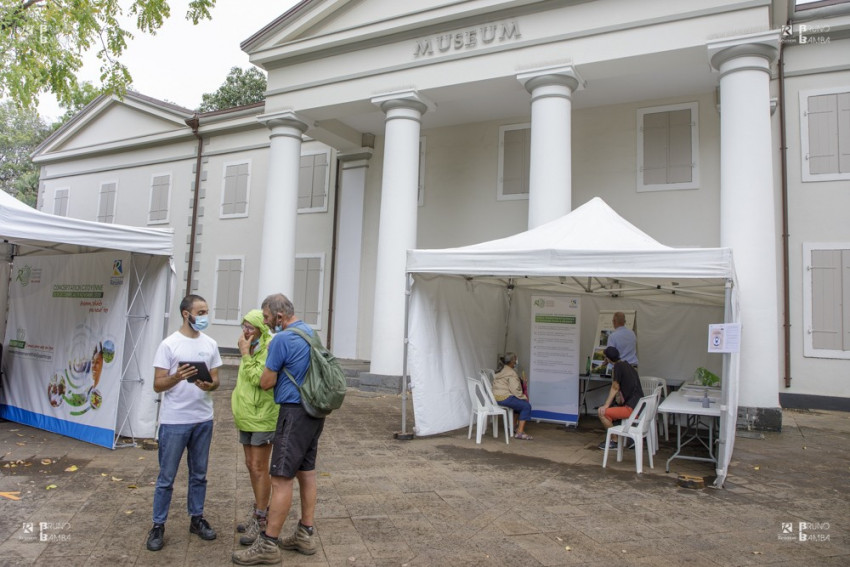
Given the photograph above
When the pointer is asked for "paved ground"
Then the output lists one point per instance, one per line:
(445, 500)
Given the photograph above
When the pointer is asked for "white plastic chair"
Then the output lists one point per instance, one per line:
(649, 383)
(637, 428)
(482, 409)
(487, 376)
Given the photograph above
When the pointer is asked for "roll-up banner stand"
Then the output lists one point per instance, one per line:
(553, 380)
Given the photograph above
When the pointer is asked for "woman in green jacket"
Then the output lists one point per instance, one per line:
(255, 413)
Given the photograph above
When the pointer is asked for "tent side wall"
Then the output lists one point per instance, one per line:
(146, 314)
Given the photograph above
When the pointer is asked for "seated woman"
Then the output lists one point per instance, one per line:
(507, 389)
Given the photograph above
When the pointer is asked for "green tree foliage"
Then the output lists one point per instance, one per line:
(21, 131)
(239, 88)
(42, 43)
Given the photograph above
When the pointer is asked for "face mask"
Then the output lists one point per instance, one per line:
(255, 342)
(278, 328)
(199, 323)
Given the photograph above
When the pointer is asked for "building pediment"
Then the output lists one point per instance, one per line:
(109, 123)
(330, 25)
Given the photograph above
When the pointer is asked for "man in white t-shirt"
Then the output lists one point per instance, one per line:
(185, 416)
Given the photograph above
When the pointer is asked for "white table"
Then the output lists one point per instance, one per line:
(687, 402)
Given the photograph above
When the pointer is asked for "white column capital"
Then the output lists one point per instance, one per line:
(764, 45)
(285, 120)
(409, 99)
(561, 75)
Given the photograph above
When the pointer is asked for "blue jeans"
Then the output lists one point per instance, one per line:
(522, 407)
(195, 438)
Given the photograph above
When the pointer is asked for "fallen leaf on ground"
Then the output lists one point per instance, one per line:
(21, 444)
(116, 479)
(103, 474)
(128, 512)
(755, 468)
(132, 486)
(568, 548)
(46, 461)
(51, 487)
(72, 468)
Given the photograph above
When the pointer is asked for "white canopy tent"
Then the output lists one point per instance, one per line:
(468, 304)
(27, 234)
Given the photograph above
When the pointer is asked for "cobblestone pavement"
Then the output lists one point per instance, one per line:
(444, 500)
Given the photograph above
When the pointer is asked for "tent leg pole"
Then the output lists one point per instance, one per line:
(403, 435)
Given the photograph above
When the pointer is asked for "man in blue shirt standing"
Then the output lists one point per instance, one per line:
(296, 438)
(623, 339)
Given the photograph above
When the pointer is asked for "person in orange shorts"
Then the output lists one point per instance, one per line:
(625, 389)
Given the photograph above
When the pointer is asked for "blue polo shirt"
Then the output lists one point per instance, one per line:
(288, 350)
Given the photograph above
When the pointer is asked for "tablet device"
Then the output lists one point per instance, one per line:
(203, 373)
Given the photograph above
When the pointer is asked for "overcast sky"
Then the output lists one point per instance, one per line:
(182, 61)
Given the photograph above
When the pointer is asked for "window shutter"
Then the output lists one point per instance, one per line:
(845, 298)
(679, 164)
(826, 300)
(60, 203)
(159, 198)
(844, 132)
(229, 277)
(516, 156)
(655, 140)
(240, 205)
(823, 134)
(106, 207)
(228, 198)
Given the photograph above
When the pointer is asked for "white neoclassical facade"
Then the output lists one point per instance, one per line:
(431, 123)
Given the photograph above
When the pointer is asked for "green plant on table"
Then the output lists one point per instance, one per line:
(705, 377)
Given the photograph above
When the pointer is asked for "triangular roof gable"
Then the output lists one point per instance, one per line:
(350, 21)
(94, 124)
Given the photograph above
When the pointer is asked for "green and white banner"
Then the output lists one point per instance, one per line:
(553, 383)
(62, 350)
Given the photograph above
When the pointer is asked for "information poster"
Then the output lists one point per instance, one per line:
(66, 324)
(604, 327)
(553, 379)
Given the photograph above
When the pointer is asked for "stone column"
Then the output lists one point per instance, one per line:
(397, 227)
(748, 207)
(550, 167)
(349, 248)
(280, 216)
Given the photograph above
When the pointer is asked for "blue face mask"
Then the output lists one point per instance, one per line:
(255, 342)
(199, 323)
(278, 328)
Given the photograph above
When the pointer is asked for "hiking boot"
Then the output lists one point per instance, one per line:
(256, 526)
(301, 541)
(155, 537)
(264, 551)
(242, 527)
(201, 526)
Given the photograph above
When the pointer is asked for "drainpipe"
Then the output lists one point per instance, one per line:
(194, 123)
(786, 279)
(333, 253)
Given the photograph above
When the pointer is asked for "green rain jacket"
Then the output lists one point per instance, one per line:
(254, 409)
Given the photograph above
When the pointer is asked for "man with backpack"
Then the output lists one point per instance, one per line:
(296, 438)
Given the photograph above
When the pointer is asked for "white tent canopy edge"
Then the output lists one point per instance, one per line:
(451, 332)
(25, 231)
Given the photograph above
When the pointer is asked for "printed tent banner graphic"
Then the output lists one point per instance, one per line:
(64, 341)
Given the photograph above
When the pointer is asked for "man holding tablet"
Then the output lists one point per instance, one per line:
(185, 372)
